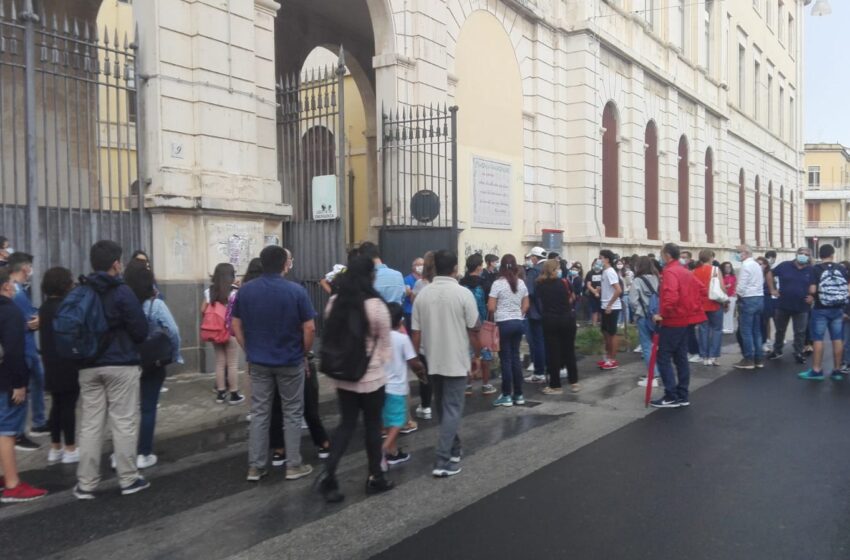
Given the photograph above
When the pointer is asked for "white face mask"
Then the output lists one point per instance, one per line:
(619, 267)
(419, 269)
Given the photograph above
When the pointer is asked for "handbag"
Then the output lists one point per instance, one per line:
(157, 350)
(489, 336)
(716, 290)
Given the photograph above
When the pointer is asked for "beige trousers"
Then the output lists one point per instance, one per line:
(113, 392)
(227, 359)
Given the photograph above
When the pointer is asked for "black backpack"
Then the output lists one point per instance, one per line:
(342, 355)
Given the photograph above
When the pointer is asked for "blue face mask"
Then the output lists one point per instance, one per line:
(574, 273)
(736, 257)
(560, 273)
(803, 259)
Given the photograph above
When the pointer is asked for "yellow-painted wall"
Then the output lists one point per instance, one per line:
(489, 93)
(834, 168)
(355, 125)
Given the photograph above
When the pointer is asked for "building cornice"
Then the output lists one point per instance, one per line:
(268, 5)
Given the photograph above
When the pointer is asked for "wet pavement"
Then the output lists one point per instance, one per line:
(555, 478)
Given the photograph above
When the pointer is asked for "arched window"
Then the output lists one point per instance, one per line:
(770, 214)
(709, 195)
(782, 216)
(684, 190)
(650, 180)
(758, 212)
(610, 172)
(742, 207)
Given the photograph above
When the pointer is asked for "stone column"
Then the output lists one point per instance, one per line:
(209, 145)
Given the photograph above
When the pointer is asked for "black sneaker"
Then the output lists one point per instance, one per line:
(665, 403)
(774, 355)
(220, 397)
(137, 486)
(37, 431)
(23, 443)
(378, 485)
(799, 358)
(684, 402)
(323, 452)
(236, 398)
(328, 487)
(759, 363)
(278, 459)
(399, 457)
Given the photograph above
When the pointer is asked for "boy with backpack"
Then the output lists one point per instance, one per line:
(100, 323)
(831, 290)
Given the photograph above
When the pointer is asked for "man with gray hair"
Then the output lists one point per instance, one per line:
(789, 286)
(750, 290)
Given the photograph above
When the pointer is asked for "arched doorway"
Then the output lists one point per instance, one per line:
(758, 211)
(684, 190)
(650, 180)
(610, 171)
(742, 207)
(709, 196)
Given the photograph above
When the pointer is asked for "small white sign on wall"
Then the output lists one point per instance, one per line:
(491, 194)
(325, 200)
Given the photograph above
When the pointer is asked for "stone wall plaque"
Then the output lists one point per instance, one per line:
(491, 194)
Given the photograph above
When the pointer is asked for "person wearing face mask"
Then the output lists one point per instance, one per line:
(534, 320)
(490, 272)
(555, 300)
(593, 290)
(770, 256)
(576, 283)
(410, 280)
(750, 291)
(789, 282)
(21, 271)
(624, 271)
(5, 251)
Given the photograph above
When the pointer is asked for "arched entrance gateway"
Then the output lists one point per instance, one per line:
(327, 125)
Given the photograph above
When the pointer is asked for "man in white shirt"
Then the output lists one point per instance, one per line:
(445, 322)
(611, 307)
(750, 290)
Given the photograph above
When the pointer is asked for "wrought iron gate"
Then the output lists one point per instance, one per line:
(420, 183)
(311, 140)
(68, 137)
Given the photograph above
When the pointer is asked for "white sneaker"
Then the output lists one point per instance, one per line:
(112, 462)
(54, 456)
(638, 350)
(706, 362)
(163, 389)
(695, 359)
(423, 413)
(530, 367)
(642, 382)
(563, 373)
(145, 461)
(70, 457)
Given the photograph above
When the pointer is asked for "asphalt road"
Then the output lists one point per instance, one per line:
(757, 468)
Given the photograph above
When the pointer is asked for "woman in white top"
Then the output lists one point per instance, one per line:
(508, 304)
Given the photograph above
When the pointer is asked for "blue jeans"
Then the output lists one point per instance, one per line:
(534, 335)
(645, 331)
(827, 320)
(149, 385)
(510, 336)
(749, 324)
(36, 391)
(626, 313)
(846, 358)
(711, 334)
(673, 349)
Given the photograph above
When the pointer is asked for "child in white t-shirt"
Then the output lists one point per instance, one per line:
(397, 387)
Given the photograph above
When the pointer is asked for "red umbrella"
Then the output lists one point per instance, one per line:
(653, 357)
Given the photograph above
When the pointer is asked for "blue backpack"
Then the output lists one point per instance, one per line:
(80, 324)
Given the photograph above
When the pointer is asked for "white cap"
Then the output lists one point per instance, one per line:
(539, 252)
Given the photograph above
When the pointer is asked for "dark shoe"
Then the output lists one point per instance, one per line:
(745, 364)
(759, 364)
(81, 494)
(378, 485)
(37, 431)
(399, 457)
(665, 403)
(278, 459)
(236, 398)
(799, 358)
(837, 375)
(446, 472)
(139, 485)
(774, 355)
(329, 488)
(684, 402)
(324, 452)
(220, 397)
(23, 443)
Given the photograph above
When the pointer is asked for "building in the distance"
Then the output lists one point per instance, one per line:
(828, 197)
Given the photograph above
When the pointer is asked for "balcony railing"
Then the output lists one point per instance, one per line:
(811, 187)
(845, 224)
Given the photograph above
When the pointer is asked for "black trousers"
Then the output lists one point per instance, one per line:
(350, 405)
(559, 337)
(63, 416)
(311, 415)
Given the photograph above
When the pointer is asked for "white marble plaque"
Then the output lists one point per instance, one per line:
(491, 194)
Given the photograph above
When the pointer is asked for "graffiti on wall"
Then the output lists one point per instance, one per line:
(484, 249)
(234, 242)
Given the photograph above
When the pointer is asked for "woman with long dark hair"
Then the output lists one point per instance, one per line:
(222, 291)
(645, 286)
(140, 279)
(357, 309)
(555, 299)
(508, 304)
(729, 284)
(61, 377)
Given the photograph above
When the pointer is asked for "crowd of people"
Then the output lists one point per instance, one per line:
(106, 339)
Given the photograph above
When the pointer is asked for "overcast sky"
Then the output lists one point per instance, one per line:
(826, 68)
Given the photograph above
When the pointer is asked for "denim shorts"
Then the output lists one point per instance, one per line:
(831, 318)
(12, 416)
(395, 411)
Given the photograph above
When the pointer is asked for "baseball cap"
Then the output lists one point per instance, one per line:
(539, 252)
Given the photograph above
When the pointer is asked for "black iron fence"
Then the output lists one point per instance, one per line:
(69, 152)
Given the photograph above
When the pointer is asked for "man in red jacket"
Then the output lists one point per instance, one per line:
(681, 298)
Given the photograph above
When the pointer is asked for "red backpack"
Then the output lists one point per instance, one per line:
(213, 326)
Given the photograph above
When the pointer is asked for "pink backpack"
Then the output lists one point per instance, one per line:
(213, 325)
